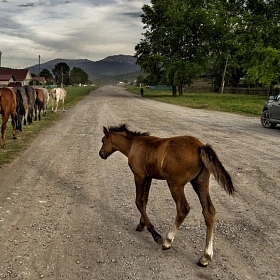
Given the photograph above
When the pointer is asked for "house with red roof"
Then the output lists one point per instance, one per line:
(22, 77)
(39, 80)
(5, 80)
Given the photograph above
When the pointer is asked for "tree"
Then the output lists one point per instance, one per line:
(260, 39)
(141, 80)
(78, 76)
(175, 47)
(265, 67)
(246, 27)
(61, 72)
(185, 39)
(45, 73)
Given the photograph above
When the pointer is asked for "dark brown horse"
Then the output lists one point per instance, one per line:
(8, 106)
(178, 160)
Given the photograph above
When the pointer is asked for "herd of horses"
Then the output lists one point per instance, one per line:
(23, 104)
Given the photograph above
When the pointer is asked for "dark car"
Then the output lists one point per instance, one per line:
(271, 112)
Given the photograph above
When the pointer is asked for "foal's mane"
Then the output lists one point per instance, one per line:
(124, 128)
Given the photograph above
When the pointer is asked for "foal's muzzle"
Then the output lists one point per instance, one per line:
(102, 155)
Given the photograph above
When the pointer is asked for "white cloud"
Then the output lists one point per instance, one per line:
(67, 29)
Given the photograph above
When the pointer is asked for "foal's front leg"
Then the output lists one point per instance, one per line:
(142, 195)
(146, 189)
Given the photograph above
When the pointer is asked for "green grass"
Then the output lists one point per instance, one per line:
(24, 138)
(250, 105)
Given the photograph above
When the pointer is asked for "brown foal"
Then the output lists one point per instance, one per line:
(178, 160)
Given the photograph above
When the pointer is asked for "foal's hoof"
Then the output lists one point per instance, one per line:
(164, 248)
(140, 227)
(159, 240)
(201, 265)
(167, 243)
(204, 261)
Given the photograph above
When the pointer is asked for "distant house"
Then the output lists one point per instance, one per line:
(6, 80)
(51, 81)
(22, 77)
(39, 80)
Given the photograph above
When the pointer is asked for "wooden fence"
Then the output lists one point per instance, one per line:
(254, 91)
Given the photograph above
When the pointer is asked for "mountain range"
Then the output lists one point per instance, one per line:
(108, 70)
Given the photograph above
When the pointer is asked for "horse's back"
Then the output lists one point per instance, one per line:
(21, 91)
(163, 158)
(8, 100)
(62, 93)
(183, 153)
(58, 93)
(30, 94)
(39, 96)
(173, 146)
(46, 94)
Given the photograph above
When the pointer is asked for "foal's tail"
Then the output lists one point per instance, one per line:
(214, 165)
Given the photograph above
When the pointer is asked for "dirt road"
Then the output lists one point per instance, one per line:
(67, 214)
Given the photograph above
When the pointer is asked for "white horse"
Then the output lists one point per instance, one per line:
(56, 95)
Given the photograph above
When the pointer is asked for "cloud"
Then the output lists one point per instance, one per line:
(91, 29)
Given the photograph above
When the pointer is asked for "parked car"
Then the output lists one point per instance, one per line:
(271, 112)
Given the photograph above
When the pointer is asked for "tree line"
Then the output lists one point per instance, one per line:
(223, 40)
(63, 75)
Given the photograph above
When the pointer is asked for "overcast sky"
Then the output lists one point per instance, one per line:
(69, 29)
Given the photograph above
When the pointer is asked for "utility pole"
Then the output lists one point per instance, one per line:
(61, 77)
(224, 74)
(39, 65)
(0, 57)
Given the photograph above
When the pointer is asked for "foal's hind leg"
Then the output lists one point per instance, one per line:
(142, 194)
(201, 187)
(183, 209)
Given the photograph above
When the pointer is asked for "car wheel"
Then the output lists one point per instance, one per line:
(265, 120)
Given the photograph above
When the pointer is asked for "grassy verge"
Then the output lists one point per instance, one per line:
(14, 147)
(250, 105)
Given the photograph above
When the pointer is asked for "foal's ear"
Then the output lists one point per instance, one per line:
(105, 130)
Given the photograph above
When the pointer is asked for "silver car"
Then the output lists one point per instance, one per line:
(271, 112)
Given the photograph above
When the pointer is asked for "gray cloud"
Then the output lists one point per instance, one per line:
(68, 29)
